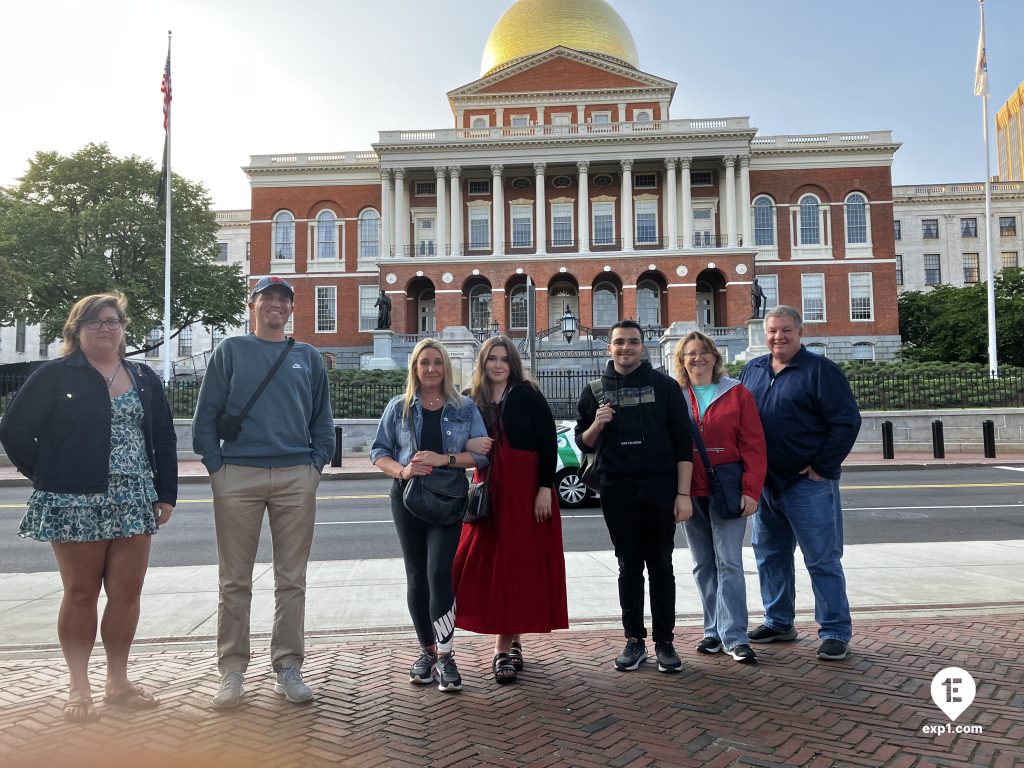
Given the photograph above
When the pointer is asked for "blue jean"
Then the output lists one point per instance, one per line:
(716, 546)
(807, 513)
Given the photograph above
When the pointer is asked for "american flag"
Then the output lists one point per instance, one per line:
(165, 89)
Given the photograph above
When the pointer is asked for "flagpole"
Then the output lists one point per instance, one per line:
(167, 227)
(981, 85)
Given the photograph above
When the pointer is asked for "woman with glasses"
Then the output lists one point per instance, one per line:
(94, 433)
(725, 415)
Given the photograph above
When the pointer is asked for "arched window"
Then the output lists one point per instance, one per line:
(369, 234)
(480, 307)
(479, 122)
(284, 236)
(326, 235)
(643, 116)
(517, 308)
(863, 350)
(856, 219)
(764, 220)
(810, 221)
(648, 303)
(818, 349)
(606, 305)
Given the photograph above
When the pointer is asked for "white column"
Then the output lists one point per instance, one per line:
(540, 115)
(580, 113)
(498, 214)
(440, 223)
(583, 207)
(456, 234)
(460, 115)
(499, 117)
(748, 240)
(540, 217)
(730, 199)
(684, 163)
(387, 221)
(664, 110)
(626, 212)
(622, 112)
(401, 215)
(670, 190)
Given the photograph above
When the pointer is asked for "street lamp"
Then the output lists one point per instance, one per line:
(650, 332)
(569, 325)
(495, 328)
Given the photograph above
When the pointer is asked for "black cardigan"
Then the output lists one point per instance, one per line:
(529, 426)
(56, 430)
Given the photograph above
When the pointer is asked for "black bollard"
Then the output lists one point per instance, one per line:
(938, 449)
(887, 449)
(988, 437)
(336, 458)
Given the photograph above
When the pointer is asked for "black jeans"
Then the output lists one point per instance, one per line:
(428, 552)
(640, 516)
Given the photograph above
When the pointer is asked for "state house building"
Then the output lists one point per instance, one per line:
(564, 164)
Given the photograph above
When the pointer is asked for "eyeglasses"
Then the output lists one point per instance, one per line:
(624, 342)
(695, 355)
(110, 325)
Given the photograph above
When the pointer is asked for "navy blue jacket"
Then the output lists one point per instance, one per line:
(808, 412)
(56, 430)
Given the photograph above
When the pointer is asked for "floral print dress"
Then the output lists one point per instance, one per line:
(126, 509)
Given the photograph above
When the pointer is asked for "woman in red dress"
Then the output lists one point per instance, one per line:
(509, 570)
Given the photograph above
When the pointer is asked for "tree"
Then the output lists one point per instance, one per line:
(950, 324)
(88, 223)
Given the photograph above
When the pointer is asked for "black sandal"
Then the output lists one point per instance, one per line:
(504, 671)
(515, 653)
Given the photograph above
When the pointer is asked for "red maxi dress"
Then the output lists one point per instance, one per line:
(509, 570)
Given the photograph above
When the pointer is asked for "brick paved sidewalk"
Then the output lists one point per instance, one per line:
(570, 707)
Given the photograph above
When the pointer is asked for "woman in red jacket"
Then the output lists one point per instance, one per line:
(725, 414)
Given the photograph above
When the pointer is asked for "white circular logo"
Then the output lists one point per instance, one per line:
(741, 269)
(447, 277)
(682, 271)
(391, 278)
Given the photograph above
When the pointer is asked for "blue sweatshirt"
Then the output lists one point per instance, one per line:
(290, 424)
(808, 412)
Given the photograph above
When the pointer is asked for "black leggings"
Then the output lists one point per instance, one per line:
(428, 552)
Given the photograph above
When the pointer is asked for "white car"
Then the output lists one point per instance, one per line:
(572, 493)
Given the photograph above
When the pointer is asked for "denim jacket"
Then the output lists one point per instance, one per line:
(459, 423)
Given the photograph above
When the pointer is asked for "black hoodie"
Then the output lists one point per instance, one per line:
(650, 433)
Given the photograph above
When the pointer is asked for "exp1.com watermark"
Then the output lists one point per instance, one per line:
(953, 691)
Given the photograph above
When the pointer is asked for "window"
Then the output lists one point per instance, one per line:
(863, 350)
(426, 189)
(647, 221)
(326, 235)
(369, 235)
(969, 227)
(701, 179)
(222, 252)
(480, 227)
(479, 186)
(645, 181)
(648, 303)
(479, 122)
(520, 121)
(818, 348)
(216, 337)
(326, 308)
(522, 226)
(972, 270)
(603, 180)
(764, 221)
(248, 249)
(561, 225)
(44, 341)
(606, 305)
(770, 285)
(856, 219)
(601, 117)
(932, 269)
(861, 300)
(480, 307)
(813, 296)
(284, 236)
(521, 183)
(517, 307)
(810, 221)
(367, 312)
(153, 343)
(897, 230)
(561, 182)
(643, 116)
(19, 336)
(899, 269)
(426, 236)
(1009, 260)
(604, 223)
(930, 229)
(1007, 226)
(185, 342)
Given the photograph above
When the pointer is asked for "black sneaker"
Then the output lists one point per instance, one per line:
(744, 654)
(833, 650)
(710, 646)
(446, 673)
(632, 656)
(668, 660)
(765, 634)
(422, 672)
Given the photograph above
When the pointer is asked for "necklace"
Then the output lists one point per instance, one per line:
(110, 381)
(433, 401)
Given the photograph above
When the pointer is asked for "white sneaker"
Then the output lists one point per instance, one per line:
(230, 692)
(289, 684)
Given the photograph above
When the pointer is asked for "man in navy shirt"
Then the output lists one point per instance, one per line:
(810, 420)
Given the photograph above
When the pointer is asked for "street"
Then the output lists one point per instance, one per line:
(354, 519)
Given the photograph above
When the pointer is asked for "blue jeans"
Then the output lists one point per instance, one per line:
(716, 546)
(807, 513)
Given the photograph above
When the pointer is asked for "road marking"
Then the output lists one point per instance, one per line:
(389, 522)
(937, 506)
(1012, 469)
(928, 485)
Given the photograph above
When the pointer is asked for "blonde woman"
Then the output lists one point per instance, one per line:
(430, 428)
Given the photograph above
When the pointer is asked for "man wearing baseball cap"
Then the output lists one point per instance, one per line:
(264, 453)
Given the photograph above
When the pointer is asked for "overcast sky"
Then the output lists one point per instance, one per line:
(265, 76)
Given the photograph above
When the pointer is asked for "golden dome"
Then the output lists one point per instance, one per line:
(533, 26)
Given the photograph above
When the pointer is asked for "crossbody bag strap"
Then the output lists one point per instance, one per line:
(597, 387)
(266, 379)
(696, 434)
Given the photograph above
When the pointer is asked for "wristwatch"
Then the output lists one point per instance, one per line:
(451, 459)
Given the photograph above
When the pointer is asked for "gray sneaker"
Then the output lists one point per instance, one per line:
(230, 692)
(289, 684)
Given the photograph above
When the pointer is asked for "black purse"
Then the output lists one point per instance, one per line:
(230, 425)
(478, 501)
(725, 480)
(438, 498)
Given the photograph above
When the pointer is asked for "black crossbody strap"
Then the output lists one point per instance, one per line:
(266, 379)
(699, 440)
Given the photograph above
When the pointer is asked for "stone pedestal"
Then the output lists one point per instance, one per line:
(381, 360)
(462, 348)
(756, 345)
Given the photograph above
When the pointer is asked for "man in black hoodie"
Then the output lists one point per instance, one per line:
(644, 458)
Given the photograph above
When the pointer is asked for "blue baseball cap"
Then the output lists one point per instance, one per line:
(272, 281)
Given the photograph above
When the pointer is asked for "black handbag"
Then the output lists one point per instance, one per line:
(478, 501)
(438, 498)
(725, 481)
(230, 425)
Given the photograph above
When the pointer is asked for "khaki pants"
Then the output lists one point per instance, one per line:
(240, 497)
